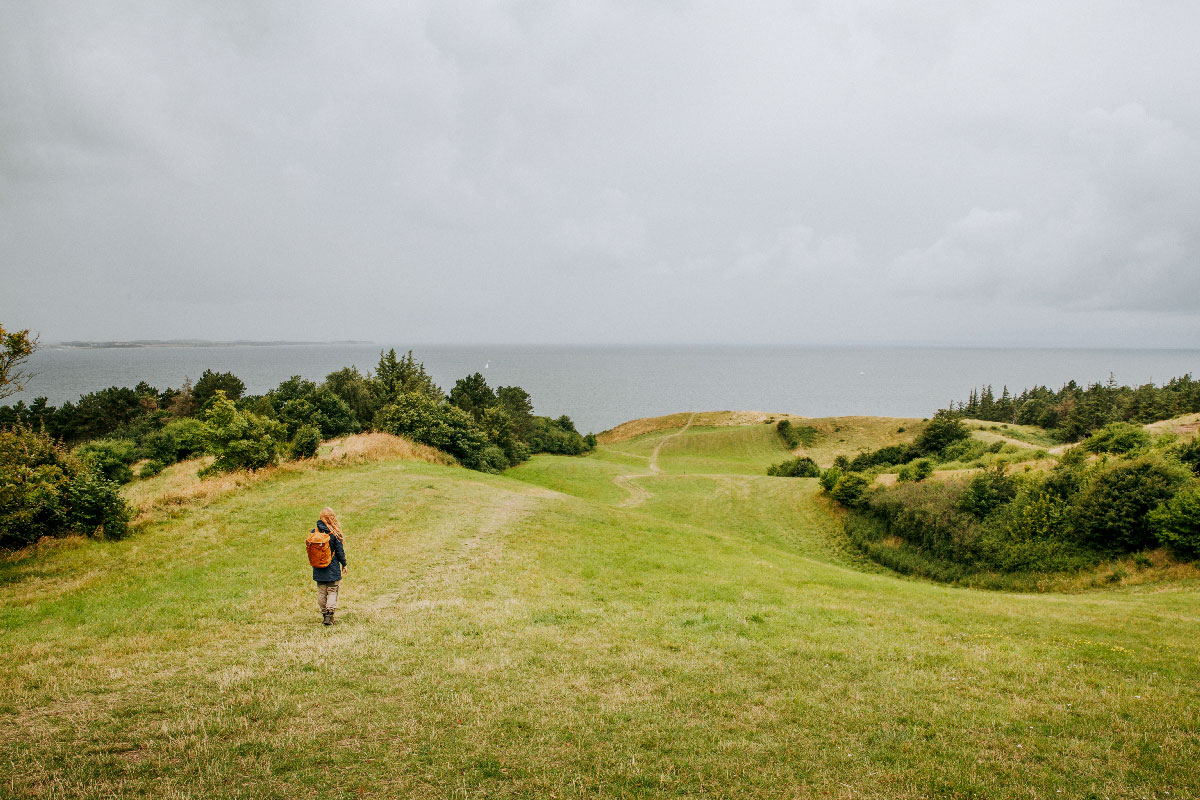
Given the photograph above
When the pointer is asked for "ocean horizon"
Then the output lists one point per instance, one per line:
(600, 386)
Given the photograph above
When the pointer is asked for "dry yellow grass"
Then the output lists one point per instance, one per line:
(1187, 425)
(704, 419)
(180, 484)
(848, 436)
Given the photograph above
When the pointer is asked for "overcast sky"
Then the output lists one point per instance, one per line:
(795, 172)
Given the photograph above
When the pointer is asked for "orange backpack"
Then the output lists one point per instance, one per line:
(319, 552)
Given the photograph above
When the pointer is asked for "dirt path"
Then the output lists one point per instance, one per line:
(638, 494)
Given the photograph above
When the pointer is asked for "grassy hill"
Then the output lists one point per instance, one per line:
(658, 619)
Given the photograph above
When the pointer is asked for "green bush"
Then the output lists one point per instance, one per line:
(1117, 437)
(96, 507)
(986, 492)
(1176, 523)
(239, 440)
(850, 488)
(790, 439)
(110, 457)
(801, 467)
(437, 424)
(46, 491)
(151, 468)
(306, 442)
(943, 430)
(829, 478)
(1112, 511)
(1189, 454)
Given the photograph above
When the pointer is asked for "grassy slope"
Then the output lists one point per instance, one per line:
(501, 639)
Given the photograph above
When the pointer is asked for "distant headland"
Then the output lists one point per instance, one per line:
(194, 343)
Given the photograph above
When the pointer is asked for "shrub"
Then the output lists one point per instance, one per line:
(110, 457)
(926, 516)
(46, 491)
(437, 424)
(1176, 523)
(558, 436)
(489, 458)
(986, 492)
(96, 507)
(802, 467)
(239, 440)
(790, 438)
(151, 468)
(829, 478)
(944, 429)
(1112, 510)
(306, 442)
(1117, 437)
(850, 488)
(1189, 454)
(884, 456)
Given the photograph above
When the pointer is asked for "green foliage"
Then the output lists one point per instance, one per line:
(305, 442)
(356, 391)
(437, 424)
(1112, 511)
(15, 349)
(1117, 437)
(239, 440)
(46, 491)
(801, 467)
(916, 471)
(298, 402)
(473, 395)
(1188, 454)
(212, 382)
(1176, 523)
(177, 440)
(829, 478)
(1074, 411)
(110, 458)
(850, 489)
(556, 436)
(395, 377)
(986, 492)
(883, 457)
(517, 403)
(943, 430)
(790, 438)
(151, 468)
(95, 506)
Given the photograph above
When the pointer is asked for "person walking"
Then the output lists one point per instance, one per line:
(327, 555)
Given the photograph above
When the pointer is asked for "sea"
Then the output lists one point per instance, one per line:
(602, 386)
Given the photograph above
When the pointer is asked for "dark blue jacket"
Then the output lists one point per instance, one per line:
(334, 571)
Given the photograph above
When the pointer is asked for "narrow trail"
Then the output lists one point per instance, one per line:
(638, 494)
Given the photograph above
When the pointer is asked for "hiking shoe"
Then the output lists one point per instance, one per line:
(327, 618)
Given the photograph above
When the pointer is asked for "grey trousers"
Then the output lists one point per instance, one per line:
(327, 595)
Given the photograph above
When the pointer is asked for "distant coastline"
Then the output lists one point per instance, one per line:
(192, 343)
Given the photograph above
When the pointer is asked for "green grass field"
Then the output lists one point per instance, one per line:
(540, 634)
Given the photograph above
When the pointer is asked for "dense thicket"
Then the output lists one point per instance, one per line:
(1074, 411)
(47, 491)
(1132, 494)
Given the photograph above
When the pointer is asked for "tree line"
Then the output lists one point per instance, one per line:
(1074, 411)
(49, 454)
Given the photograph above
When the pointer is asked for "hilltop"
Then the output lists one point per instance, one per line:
(656, 619)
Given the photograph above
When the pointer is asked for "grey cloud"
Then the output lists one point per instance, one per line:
(442, 171)
(1120, 232)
